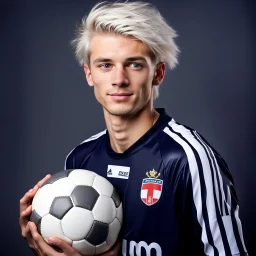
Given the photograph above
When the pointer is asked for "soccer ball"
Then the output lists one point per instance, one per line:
(80, 207)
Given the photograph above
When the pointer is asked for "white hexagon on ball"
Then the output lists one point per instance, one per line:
(103, 186)
(82, 177)
(51, 226)
(43, 199)
(63, 187)
(77, 223)
(113, 231)
(104, 210)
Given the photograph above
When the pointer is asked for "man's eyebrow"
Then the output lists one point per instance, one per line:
(101, 59)
(134, 58)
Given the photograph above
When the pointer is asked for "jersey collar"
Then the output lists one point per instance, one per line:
(159, 125)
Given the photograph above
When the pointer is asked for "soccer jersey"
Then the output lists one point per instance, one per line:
(177, 192)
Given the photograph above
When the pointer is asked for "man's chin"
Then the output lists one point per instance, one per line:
(119, 112)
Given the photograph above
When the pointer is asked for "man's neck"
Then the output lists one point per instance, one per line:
(125, 131)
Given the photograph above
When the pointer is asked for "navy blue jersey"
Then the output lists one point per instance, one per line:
(177, 192)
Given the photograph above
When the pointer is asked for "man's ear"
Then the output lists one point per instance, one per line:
(159, 74)
(88, 75)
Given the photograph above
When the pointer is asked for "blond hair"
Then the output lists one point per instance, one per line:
(138, 19)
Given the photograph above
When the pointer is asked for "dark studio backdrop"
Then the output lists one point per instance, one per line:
(47, 108)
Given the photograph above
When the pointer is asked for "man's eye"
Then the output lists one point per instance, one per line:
(105, 65)
(136, 65)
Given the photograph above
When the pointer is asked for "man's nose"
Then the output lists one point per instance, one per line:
(119, 77)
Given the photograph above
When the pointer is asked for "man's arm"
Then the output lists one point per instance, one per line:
(214, 208)
(208, 196)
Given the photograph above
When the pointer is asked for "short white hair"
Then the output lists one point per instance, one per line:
(137, 19)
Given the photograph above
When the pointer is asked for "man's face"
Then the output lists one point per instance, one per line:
(121, 72)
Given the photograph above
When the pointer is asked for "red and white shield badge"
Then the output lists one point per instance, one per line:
(151, 190)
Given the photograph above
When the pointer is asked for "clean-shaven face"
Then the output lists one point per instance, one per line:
(121, 72)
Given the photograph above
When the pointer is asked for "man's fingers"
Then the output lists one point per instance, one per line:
(42, 248)
(24, 216)
(65, 247)
(26, 208)
(38, 239)
(35, 235)
(42, 181)
(26, 233)
(26, 199)
(26, 212)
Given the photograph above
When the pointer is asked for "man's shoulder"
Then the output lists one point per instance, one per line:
(93, 139)
(183, 142)
(86, 146)
(191, 143)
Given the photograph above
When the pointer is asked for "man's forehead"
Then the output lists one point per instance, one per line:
(114, 46)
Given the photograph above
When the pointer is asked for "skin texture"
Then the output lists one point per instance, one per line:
(122, 75)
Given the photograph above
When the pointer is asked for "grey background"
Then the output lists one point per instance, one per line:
(47, 108)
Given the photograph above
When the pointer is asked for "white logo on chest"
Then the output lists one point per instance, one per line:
(116, 171)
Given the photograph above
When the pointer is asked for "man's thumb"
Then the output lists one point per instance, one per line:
(64, 246)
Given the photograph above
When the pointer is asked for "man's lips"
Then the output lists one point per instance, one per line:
(120, 96)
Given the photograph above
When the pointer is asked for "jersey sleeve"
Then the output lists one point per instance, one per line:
(69, 161)
(209, 184)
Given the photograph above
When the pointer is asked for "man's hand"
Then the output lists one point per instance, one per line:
(26, 209)
(43, 249)
(35, 240)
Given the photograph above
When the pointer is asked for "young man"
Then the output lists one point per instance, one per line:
(177, 192)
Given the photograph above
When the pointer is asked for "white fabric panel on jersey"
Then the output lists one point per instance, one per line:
(196, 186)
(72, 228)
(230, 235)
(239, 225)
(94, 137)
(210, 203)
(229, 199)
(226, 200)
(217, 171)
(220, 205)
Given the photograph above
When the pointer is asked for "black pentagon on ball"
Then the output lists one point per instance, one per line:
(60, 206)
(98, 233)
(85, 197)
(116, 198)
(57, 176)
(36, 218)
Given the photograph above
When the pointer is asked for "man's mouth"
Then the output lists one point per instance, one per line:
(120, 95)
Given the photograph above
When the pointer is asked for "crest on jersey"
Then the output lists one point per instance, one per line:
(151, 188)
